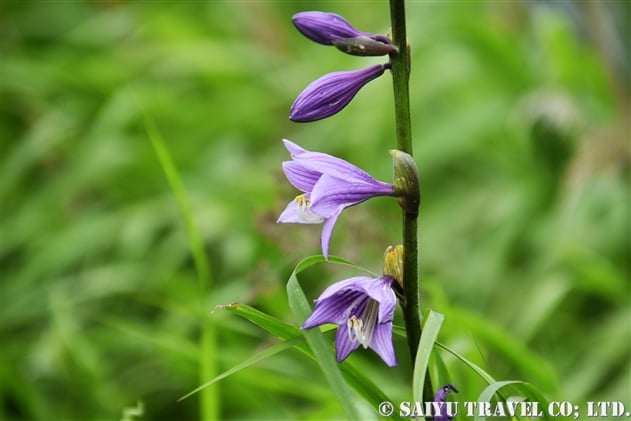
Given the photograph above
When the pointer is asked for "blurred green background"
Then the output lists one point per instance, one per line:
(521, 134)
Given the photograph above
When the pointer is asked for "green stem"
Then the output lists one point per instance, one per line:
(400, 76)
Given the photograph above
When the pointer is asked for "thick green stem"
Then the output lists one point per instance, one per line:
(400, 76)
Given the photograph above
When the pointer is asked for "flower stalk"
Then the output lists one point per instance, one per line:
(400, 76)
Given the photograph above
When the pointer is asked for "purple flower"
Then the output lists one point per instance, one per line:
(441, 397)
(324, 28)
(330, 93)
(363, 309)
(329, 185)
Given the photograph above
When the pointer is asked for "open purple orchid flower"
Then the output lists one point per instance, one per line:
(332, 92)
(330, 185)
(363, 308)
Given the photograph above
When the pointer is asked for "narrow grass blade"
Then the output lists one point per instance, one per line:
(301, 309)
(210, 405)
(175, 182)
(526, 391)
(261, 356)
(438, 370)
(425, 347)
(479, 371)
(356, 379)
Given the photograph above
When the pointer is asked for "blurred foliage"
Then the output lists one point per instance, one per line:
(521, 130)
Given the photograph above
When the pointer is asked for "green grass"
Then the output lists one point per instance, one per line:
(521, 140)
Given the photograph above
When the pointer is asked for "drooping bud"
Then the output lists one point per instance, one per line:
(332, 92)
(393, 263)
(364, 46)
(406, 183)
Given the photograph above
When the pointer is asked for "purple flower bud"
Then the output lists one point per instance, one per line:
(329, 94)
(324, 28)
(441, 399)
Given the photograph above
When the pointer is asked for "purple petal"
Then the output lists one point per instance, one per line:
(381, 343)
(293, 149)
(290, 214)
(324, 28)
(336, 308)
(354, 284)
(327, 230)
(328, 164)
(330, 193)
(380, 290)
(343, 344)
(300, 177)
(331, 93)
(325, 163)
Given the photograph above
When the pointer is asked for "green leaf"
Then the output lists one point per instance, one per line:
(528, 392)
(425, 347)
(358, 381)
(301, 309)
(263, 355)
(438, 370)
(526, 389)
(479, 371)
(536, 368)
(210, 404)
(172, 175)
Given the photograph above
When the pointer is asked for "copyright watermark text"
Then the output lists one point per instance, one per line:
(506, 409)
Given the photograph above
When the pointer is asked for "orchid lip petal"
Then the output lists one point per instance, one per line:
(299, 211)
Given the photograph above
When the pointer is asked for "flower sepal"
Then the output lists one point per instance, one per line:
(406, 182)
(393, 263)
(364, 46)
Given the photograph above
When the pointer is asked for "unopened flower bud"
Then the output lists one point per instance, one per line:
(324, 28)
(406, 183)
(364, 46)
(393, 263)
(332, 92)
(440, 399)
